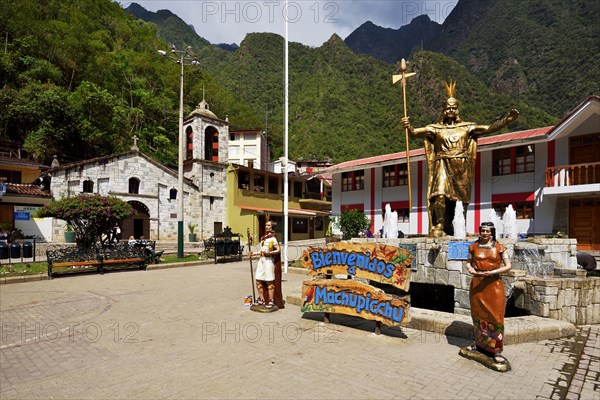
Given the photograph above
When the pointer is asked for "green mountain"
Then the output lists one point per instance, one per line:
(343, 105)
(80, 79)
(544, 52)
(392, 45)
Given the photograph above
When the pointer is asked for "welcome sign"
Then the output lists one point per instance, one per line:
(379, 263)
(389, 265)
(353, 298)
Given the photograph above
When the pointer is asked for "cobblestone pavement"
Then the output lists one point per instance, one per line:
(184, 333)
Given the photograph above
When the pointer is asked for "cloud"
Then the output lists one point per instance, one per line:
(311, 22)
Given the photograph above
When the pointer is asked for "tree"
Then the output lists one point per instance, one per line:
(89, 215)
(352, 222)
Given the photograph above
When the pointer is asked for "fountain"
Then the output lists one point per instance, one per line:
(528, 257)
(493, 217)
(459, 221)
(390, 223)
(509, 223)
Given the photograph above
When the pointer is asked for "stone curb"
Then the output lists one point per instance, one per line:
(517, 329)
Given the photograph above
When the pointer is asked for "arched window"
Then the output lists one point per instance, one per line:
(88, 186)
(134, 185)
(189, 137)
(211, 144)
(173, 194)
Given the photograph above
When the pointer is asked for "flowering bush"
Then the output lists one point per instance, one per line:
(89, 215)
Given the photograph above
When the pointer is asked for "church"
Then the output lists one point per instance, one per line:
(151, 188)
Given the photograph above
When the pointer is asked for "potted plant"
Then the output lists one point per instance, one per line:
(192, 235)
(69, 234)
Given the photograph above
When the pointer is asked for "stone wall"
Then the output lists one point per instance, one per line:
(558, 294)
(573, 299)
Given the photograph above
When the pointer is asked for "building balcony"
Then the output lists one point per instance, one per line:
(573, 179)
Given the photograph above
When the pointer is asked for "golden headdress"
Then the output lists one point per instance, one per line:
(450, 89)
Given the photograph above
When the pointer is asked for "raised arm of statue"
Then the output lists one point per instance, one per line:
(481, 130)
(414, 132)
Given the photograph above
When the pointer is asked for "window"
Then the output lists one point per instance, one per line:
(250, 151)
(189, 138)
(516, 160)
(88, 186)
(250, 136)
(299, 225)
(134, 185)
(524, 159)
(354, 180)
(319, 224)
(244, 180)
(234, 151)
(395, 175)
(173, 194)
(524, 209)
(403, 214)
(298, 189)
(273, 185)
(9, 176)
(259, 183)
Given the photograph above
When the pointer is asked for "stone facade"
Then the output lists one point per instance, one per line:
(558, 293)
(111, 175)
(205, 184)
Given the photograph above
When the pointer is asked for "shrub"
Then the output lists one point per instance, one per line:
(352, 222)
(89, 215)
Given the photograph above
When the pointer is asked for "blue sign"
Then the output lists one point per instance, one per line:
(458, 250)
(22, 216)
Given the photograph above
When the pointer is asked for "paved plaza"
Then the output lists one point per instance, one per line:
(184, 333)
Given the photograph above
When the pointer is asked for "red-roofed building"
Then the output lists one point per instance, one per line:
(550, 175)
(22, 191)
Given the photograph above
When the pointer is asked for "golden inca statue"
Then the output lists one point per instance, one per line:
(451, 149)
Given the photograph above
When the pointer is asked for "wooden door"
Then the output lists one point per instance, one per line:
(584, 215)
(7, 215)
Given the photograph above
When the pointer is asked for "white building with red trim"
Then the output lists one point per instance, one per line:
(550, 175)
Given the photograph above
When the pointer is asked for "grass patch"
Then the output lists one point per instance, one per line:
(41, 267)
(26, 268)
(172, 258)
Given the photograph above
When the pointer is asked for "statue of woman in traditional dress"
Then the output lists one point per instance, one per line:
(487, 260)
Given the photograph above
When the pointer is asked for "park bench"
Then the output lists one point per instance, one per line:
(100, 258)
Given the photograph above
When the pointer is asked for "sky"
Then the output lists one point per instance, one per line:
(311, 22)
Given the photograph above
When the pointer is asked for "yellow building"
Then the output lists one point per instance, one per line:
(253, 196)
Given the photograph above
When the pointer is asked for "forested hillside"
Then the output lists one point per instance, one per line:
(343, 105)
(544, 52)
(79, 79)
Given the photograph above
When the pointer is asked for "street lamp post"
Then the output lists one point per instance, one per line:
(182, 57)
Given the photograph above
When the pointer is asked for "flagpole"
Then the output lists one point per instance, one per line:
(285, 147)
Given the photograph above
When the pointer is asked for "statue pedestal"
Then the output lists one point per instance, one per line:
(262, 308)
(484, 359)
